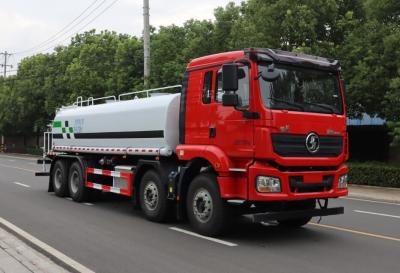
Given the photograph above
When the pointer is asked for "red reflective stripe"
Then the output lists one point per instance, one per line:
(106, 188)
(130, 184)
(106, 172)
(89, 184)
(90, 170)
(125, 192)
(125, 175)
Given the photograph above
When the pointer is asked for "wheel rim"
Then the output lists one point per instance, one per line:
(74, 182)
(58, 178)
(151, 196)
(202, 205)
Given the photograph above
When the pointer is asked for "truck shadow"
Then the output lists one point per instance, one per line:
(245, 231)
(242, 230)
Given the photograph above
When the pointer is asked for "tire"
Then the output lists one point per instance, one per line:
(298, 222)
(76, 183)
(59, 178)
(207, 212)
(153, 197)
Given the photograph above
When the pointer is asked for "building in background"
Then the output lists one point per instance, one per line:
(369, 139)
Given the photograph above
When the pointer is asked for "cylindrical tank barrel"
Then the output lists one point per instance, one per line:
(148, 126)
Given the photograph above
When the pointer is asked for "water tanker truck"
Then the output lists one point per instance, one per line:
(256, 132)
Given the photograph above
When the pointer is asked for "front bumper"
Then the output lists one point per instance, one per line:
(296, 185)
(295, 214)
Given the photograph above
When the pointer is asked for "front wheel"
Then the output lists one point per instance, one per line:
(207, 212)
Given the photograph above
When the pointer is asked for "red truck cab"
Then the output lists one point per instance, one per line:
(284, 140)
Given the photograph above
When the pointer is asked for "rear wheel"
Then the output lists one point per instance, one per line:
(77, 189)
(207, 212)
(298, 205)
(60, 178)
(153, 197)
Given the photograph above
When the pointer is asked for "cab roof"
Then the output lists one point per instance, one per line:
(215, 59)
(267, 55)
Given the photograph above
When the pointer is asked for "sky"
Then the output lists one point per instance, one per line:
(28, 27)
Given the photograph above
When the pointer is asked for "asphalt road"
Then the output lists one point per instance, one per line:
(107, 235)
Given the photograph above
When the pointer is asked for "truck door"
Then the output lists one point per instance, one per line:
(199, 103)
(229, 130)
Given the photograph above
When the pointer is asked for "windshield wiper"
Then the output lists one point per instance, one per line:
(329, 108)
(297, 106)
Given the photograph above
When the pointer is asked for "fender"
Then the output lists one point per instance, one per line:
(216, 156)
(163, 167)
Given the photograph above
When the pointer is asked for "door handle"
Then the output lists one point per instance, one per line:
(212, 132)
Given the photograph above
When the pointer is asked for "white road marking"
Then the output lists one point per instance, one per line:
(375, 213)
(45, 249)
(11, 160)
(87, 204)
(13, 167)
(371, 201)
(203, 237)
(16, 157)
(22, 184)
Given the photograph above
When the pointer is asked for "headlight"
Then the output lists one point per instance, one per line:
(342, 182)
(268, 184)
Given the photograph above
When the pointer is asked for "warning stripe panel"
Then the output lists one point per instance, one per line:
(106, 188)
(109, 173)
(124, 175)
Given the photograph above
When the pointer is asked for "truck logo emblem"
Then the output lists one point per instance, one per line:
(312, 143)
(332, 132)
(284, 129)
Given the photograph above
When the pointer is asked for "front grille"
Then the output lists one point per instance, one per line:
(290, 145)
(297, 184)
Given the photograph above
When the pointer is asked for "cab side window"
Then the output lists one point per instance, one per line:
(243, 90)
(218, 87)
(207, 87)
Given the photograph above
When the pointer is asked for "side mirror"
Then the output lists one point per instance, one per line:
(270, 74)
(230, 80)
(230, 99)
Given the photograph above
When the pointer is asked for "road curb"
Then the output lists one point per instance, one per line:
(369, 198)
(50, 252)
(385, 194)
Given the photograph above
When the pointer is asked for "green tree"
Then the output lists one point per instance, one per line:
(363, 34)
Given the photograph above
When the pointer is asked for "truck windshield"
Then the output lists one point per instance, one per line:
(302, 89)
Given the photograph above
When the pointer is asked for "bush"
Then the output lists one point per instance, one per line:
(374, 174)
(34, 151)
